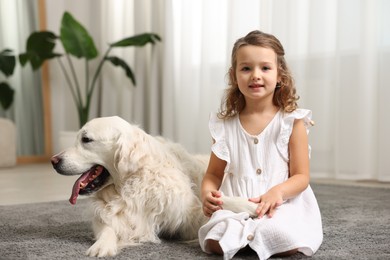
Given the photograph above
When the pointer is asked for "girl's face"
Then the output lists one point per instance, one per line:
(256, 72)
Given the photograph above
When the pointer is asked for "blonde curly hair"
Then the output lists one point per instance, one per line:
(285, 94)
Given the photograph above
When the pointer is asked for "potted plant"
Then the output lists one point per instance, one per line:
(7, 127)
(77, 43)
(7, 66)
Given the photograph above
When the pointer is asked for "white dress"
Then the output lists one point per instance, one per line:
(254, 165)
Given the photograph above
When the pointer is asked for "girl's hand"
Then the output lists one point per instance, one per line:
(268, 202)
(211, 203)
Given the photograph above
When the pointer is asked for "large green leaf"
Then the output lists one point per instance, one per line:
(76, 39)
(7, 62)
(119, 62)
(137, 40)
(39, 47)
(6, 95)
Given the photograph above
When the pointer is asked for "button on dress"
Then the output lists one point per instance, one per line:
(255, 164)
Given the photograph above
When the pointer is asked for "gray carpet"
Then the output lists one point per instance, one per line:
(356, 224)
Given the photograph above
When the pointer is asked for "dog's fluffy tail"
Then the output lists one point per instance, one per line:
(239, 204)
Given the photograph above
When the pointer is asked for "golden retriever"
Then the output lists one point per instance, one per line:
(142, 187)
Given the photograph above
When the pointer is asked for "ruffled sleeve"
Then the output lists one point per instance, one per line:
(287, 124)
(217, 130)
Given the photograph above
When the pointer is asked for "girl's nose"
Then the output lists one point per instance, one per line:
(256, 75)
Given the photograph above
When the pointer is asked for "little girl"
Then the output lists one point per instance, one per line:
(260, 152)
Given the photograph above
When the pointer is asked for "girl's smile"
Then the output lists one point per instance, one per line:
(255, 85)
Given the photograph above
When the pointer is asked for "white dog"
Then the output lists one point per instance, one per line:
(143, 187)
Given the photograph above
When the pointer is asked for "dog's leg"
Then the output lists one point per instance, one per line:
(239, 204)
(106, 243)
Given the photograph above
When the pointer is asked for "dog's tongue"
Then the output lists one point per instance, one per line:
(76, 187)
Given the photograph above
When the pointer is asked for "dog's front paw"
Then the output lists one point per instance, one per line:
(103, 248)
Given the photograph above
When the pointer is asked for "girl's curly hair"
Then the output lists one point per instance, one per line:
(284, 97)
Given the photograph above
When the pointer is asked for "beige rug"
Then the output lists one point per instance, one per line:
(356, 224)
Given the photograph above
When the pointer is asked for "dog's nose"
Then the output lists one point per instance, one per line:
(55, 161)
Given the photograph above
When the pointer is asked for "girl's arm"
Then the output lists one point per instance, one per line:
(299, 162)
(298, 170)
(210, 185)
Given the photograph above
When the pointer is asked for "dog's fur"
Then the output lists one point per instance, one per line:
(143, 187)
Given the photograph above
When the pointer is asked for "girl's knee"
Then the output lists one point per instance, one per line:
(214, 247)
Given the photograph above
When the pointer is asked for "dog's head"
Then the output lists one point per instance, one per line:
(105, 150)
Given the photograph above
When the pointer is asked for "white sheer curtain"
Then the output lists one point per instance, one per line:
(338, 50)
(18, 19)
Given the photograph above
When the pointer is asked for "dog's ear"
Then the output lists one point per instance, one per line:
(129, 152)
(123, 163)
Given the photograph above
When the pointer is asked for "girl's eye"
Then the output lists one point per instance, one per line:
(266, 68)
(85, 140)
(245, 69)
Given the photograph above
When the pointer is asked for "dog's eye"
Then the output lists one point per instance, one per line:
(85, 139)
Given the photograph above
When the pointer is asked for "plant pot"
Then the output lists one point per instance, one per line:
(7, 143)
(67, 139)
